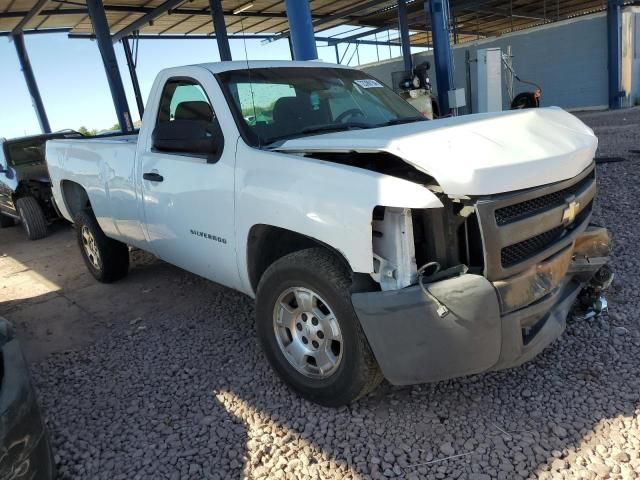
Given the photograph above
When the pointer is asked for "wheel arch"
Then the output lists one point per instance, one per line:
(266, 244)
(74, 196)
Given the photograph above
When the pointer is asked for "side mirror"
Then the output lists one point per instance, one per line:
(188, 136)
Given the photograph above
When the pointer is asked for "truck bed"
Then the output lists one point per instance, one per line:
(104, 166)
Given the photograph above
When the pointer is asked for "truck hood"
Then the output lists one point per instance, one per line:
(481, 154)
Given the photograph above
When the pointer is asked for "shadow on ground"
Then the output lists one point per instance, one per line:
(55, 303)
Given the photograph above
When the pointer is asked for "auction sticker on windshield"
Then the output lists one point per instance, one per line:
(368, 83)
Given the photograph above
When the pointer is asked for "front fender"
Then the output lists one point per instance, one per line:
(326, 201)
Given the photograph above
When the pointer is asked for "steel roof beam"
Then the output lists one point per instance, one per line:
(135, 9)
(145, 19)
(470, 6)
(114, 79)
(36, 32)
(188, 11)
(336, 16)
(336, 40)
(220, 27)
(30, 79)
(516, 13)
(70, 11)
(345, 13)
(91, 36)
(394, 43)
(131, 64)
(31, 14)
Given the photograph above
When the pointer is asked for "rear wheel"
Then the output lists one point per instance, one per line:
(106, 259)
(309, 330)
(32, 218)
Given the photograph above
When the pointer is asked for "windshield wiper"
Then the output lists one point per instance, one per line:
(398, 121)
(335, 127)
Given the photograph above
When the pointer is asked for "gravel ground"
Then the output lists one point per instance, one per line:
(190, 395)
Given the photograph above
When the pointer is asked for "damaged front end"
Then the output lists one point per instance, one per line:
(527, 257)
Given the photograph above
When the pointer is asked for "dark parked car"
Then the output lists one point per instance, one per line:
(24, 444)
(25, 186)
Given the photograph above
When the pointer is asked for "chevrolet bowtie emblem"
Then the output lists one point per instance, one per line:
(569, 213)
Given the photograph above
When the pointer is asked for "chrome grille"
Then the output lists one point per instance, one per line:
(521, 251)
(524, 209)
(513, 254)
(523, 228)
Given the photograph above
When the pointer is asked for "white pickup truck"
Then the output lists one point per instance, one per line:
(376, 243)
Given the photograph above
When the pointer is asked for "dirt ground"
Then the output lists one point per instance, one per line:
(56, 305)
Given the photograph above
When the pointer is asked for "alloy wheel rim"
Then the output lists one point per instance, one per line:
(308, 332)
(90, 247)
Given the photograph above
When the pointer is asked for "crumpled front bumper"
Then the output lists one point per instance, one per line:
(490, 326)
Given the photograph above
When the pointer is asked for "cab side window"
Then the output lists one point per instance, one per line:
(186, 123)
(184, 99)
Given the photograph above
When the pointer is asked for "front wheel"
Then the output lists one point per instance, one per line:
(309, 330)
(106, 259)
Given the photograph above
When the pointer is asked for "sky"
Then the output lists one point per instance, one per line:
(74, 88)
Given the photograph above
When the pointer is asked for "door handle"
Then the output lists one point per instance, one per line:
(153, 177)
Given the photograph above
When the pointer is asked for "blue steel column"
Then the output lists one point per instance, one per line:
(221, 30)
(404, 34)
(30, 78)
(301, 30)
(614, 34)
(105, 45)
(438, 10)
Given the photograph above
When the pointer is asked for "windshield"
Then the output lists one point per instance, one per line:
(273, 104)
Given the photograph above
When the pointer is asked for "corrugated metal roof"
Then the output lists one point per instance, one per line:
(471, 19)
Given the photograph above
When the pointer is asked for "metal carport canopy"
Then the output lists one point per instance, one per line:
(116, 20)
(470, 19)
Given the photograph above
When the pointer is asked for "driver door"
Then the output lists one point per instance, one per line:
(188, 197)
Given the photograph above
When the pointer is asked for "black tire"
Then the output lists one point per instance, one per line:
(112, 257)
(6, 221)
(32, 218)
(319, 270)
